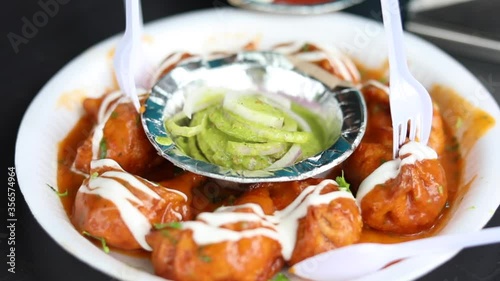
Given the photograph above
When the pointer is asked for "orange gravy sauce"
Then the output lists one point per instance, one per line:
(67, 180)
(464, 124)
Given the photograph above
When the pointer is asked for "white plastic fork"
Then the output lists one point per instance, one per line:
(409, 100)
(358, 260)
(131, 67)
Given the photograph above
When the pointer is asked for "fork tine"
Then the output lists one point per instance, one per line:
(414, 126)
(426, 122)
(403, 132)
(395, 141)
(420, 129)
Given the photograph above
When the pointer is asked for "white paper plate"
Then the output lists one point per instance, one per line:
(48, 121)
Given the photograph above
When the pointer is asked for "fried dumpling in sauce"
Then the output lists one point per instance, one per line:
(270, 224)
(117, 135)
(405, 195)
(179, 255)
(324, 225)
(122, 208)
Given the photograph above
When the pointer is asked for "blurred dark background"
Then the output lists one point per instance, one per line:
(78, 25)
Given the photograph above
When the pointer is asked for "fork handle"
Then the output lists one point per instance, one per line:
(131, 41)
(447, 242)
(133, 18)
(394, 35)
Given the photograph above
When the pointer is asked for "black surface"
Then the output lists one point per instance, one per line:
(78, 25)
(458, 17)
(456, 26)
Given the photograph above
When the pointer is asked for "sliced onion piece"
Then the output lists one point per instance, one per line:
(233, 102)
(288, 159)
(255, 149)
(276, 100)
(201, 98)
(301, 122)
(285, 104)
(290, 124)
(229, 124)
(184, 131)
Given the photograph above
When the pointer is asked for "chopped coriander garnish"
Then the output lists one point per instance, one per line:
(459, 123)
(280, 277)
(169, 236)
(163, 140)
(94, 175)
(60, 194)
(215, 199)
(343, 184)
(114, 114)
(305, 48)
(103, 148)
(441, 190)
(231, 200)
(453, 147)
(205, 258)
(103, 241)
(175, 225)
(383, 80)
(202, 256)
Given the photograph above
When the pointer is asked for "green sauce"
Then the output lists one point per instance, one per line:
(248, 132)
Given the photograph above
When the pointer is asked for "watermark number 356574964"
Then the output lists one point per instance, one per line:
(11, 219)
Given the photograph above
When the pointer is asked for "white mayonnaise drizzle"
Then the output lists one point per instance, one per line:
(109, 186)
(173, 59)
(105, 111)
(291, 48)
(346, 61)
(379, 85)
(137, 184)
(205, 234)
(414, 151)
(341, 63)
(102, 118)
(311, 56)
(76, 171)
(122, 198)
(130, 178)
(337, 60)
(281, 226)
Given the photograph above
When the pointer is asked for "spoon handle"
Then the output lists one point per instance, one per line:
(133, 18)
(394, 35)
(447, 242)
(128, 55)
